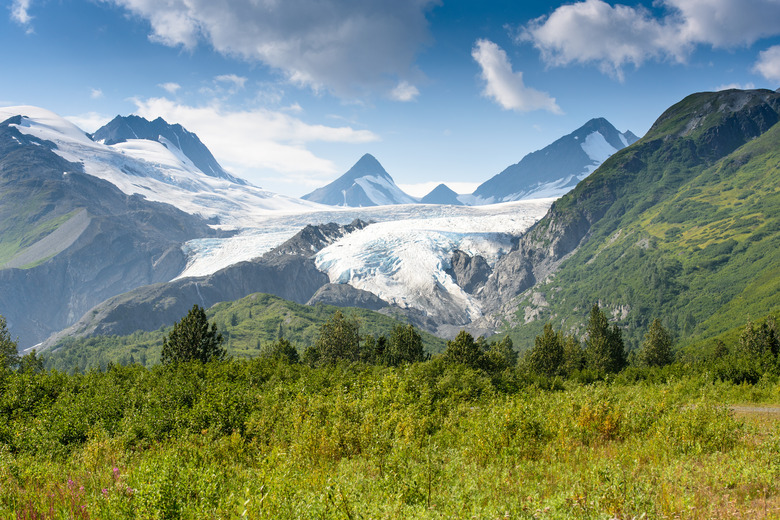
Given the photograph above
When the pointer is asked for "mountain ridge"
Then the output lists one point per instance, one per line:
(556, 168)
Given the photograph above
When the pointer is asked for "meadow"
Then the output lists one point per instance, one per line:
(265, 438)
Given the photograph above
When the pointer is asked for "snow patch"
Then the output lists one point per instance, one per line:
(597, 148)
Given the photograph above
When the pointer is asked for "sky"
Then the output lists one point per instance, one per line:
(289, 94)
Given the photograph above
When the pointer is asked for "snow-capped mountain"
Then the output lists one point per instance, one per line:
(174, 137)
(442, 194)
(365, 184)
(557, 168)
(156, 170)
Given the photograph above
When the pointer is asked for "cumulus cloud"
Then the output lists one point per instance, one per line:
(20, 13)
(768, 64)
(171, 88)
(404, 91)
(506, 87)
(592, 31)
(249, 141)
(96, 93)
(346, 46)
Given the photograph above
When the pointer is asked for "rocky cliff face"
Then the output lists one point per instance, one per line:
(75, 239)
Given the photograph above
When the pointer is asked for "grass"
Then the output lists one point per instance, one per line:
(254, 439)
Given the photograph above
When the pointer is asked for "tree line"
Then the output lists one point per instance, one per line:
(553, 354)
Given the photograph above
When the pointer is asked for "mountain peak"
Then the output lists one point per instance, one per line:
(557, 168)
(365, 184)
(124, 128)
(442, 194)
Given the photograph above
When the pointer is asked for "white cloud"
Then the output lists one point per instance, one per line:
(592, 31)
(96, 93)
(90, 121)
(739, 86)
(768, 64)
(346, 46)
(20, 14)
(236, 81)
(171, 88)
(506, 87)
(253, 140)
(404, 91)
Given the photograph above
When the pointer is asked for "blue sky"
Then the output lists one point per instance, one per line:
(290, 93)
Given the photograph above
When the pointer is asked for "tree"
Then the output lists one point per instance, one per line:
(193, 340)
(9, 356)
(656, 349)
(546, 356)
(604, 349)
(32, 363)
(280, 349)
(464, 350)
(573, 355)
(405, 346)
(339, 339)
(501, 354)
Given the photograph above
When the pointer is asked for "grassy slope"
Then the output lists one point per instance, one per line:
(691, 241)
(246, 324)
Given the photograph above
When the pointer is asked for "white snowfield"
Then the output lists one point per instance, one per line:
(402, 257)
(158, 172)
(381, 191)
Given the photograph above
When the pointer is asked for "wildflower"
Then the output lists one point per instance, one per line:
(105, 492)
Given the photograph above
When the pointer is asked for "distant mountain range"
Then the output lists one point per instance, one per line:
(365, 184)
(549, 172)
(557, 168)
(683, 225)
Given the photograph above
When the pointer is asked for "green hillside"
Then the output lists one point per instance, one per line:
(246, 324)
(684, 226)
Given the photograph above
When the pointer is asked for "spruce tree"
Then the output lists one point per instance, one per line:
(405, 346)
(339, 339)
(656, 350)
(9, 356)
(604, 349)
(193, 340)
(464, 350)
(546, 356)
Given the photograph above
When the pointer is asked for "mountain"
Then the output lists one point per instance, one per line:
(683, 226)
(287, 271)
(441, 194)
(174, 137)
(69, 240)
(557, 168)
(365, 184)
(82, 221)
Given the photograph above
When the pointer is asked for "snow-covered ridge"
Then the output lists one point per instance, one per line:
(158, 172)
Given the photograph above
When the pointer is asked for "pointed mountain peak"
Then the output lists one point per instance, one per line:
(365, 184)
(367, 165)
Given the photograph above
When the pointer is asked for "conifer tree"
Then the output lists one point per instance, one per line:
(604, 349)
(193, 340)
(656, 349)
(339, 339)
(463, 349)
(546, 356)
(405, 346)
(9, 356)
